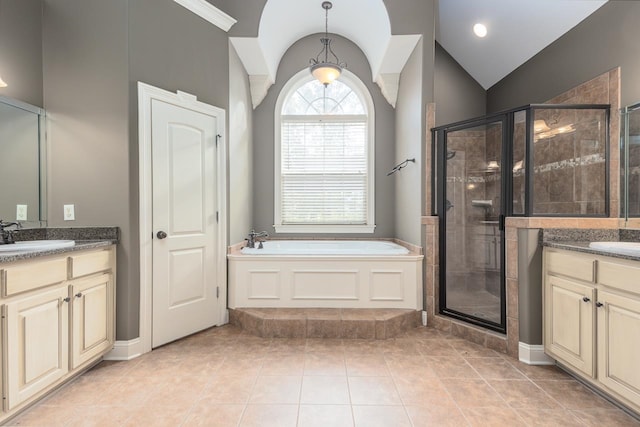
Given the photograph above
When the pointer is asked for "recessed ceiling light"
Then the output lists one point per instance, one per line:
(480, 30)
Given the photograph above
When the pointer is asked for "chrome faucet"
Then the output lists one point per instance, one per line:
(251, 241)
(6, 236)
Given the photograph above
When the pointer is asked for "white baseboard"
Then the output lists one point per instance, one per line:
(125, 350)
(533, 355)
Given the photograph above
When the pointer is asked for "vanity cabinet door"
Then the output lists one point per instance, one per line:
(569, 322)
(619, 344)
(37, 338)
(92, 321)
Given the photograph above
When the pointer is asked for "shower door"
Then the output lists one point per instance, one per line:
(471, 193)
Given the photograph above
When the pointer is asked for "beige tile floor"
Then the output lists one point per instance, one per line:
(224, 377)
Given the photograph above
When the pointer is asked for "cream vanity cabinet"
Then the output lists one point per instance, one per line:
(58, 317)
(592, 319)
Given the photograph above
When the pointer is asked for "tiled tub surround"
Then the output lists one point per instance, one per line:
(347, 323)
(226, 377)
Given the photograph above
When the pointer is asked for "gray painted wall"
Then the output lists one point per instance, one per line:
(294, 60)
(86, 98)
(457, 95)
(417, 17)
(94, 54)
(240, 136)
(409, 138)
(530, 286)
(603, 41)
(173, 49)
(21, 50)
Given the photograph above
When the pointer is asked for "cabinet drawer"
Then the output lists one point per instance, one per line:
(619, 275)
(32, 275)
(92, 262)
(571, 264)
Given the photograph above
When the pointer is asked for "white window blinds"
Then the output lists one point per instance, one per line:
(324, 167)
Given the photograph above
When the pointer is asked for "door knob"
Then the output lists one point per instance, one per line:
(161, 235)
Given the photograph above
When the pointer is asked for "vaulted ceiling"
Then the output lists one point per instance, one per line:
(517, 30)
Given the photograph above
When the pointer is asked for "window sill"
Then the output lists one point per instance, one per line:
(342, 229)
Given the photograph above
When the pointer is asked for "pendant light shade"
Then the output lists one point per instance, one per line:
(325, 73)
(322, 68)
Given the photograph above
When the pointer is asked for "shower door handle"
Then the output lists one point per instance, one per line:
(501, 219)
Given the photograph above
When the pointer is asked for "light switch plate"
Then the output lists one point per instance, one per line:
(69, 213)
(21, 212)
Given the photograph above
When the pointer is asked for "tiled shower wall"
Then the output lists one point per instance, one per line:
(603, 89)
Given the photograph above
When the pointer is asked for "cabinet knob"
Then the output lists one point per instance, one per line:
(599, 304)
(586, 299)
(79, 295)
(67, 299)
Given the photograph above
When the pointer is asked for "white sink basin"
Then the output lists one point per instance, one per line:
(625, 248)
(36, 245)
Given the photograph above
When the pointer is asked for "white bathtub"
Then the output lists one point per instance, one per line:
(326, 273)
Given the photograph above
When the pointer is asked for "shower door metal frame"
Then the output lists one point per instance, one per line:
(440, 137)
(624, 156)
(438, 196)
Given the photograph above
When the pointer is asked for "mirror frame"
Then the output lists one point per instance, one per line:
(42, 161)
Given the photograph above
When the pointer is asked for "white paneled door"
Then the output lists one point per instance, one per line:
(184, 207)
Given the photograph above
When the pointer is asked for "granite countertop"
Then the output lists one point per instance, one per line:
(581, 246)
(81, 245)
(85, 238)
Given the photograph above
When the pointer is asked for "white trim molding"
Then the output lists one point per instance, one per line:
(209, 13)
(252, 57)
(259, 85)
(146, 94)
(125, 350)
(261, 68)
(389, 84)
(533, 355)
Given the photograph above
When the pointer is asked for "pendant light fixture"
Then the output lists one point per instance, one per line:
(321, 67)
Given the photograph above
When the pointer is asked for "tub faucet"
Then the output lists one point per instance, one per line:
(251, 241)
(6, 236)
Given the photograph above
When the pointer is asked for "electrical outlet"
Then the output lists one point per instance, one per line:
(21, 212)
(69, 213)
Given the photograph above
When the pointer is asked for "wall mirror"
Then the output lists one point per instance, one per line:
(23, 169)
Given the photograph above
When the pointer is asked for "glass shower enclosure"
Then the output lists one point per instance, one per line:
(482, 175)
(630, 161)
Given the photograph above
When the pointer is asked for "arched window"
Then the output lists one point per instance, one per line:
(324, 156)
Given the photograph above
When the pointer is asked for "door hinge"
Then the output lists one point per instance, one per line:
(217, 291)
(217, 216)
